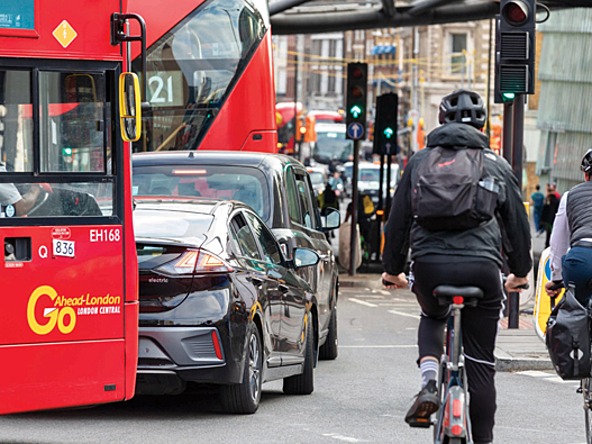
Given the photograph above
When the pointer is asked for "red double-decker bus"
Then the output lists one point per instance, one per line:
(69, 319)
(209, 75)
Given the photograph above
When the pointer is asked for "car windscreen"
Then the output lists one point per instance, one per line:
(373, 175)
(316, 177)
(226, 182)
(333, 145)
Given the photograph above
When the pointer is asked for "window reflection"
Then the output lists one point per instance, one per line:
(16, 126)
(64, 199)
(72, 122)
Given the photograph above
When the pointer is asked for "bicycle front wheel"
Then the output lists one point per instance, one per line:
(586, 385)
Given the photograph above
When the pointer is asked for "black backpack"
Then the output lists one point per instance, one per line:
(449, 191)
(568, 338)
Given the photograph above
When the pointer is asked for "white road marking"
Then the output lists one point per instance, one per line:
(358, 301)
(551, 377)
(400, 313)
(379, 346)
(344, 438)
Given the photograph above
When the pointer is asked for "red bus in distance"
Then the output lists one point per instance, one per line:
(69, 330)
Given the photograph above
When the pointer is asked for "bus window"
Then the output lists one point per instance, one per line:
(73, 126)
(16, 129)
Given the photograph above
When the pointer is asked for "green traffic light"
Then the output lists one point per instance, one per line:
(508, 96)
(355, 111)
(67, 151)
(388, 132)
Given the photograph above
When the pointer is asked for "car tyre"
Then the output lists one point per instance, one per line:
(244, 397)
(328, 350)
(303, 384)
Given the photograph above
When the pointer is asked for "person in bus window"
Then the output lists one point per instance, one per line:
(10, 195)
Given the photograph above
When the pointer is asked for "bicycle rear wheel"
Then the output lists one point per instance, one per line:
(586, 385)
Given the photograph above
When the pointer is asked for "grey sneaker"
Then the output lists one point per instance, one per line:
(426, 402)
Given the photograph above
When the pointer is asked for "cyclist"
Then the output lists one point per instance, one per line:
(460, 257)
(571, 238)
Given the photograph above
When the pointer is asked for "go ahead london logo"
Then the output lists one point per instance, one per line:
(61, 312)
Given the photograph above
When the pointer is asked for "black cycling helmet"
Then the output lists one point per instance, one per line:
(587, 161)
(463, 106)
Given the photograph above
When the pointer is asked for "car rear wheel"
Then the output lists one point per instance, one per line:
(303, 384)
(328, 351)
(245, 397)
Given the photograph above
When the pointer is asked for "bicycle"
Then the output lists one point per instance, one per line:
(453, 424)
(585, 387)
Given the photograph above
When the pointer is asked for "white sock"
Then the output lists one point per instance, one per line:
(429, 371)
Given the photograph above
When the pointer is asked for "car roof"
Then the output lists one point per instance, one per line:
(327, 126)
(198, 205)
(207, 157)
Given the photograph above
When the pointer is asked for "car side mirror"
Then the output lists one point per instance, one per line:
(305, 257)
(331, 219)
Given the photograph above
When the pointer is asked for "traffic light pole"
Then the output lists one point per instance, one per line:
(507, 132)
(353, 252)
(516, 156)
(518, 137)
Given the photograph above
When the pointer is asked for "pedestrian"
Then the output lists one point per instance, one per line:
(571, 239)
(537, 200)
(550, 208)
(328, 199)
(470, 256)
(552, 188)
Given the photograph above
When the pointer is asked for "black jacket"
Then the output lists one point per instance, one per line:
(484, 241)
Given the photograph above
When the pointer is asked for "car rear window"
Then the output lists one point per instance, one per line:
(164, 224)
(245, 184)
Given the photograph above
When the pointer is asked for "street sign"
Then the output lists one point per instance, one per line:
(355, 131)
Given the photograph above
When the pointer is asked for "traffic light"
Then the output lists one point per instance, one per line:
(355, 110)
(515, 49)
(300, 128)
(385, 128)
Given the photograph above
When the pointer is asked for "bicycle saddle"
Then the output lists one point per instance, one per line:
(445, 293)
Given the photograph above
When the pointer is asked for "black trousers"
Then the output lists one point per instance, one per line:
(479, 326)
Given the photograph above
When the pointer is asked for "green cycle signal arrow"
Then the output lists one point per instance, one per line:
(355, 111)
(388, 132)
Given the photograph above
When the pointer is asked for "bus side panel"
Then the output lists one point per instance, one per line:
(58, 298)
(132, 311)
(247, 118)
(61, 375)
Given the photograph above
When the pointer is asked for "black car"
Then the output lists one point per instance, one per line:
(219, 303)
(279, 189)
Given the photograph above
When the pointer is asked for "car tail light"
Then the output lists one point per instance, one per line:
(216, 343)
(196, 261)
